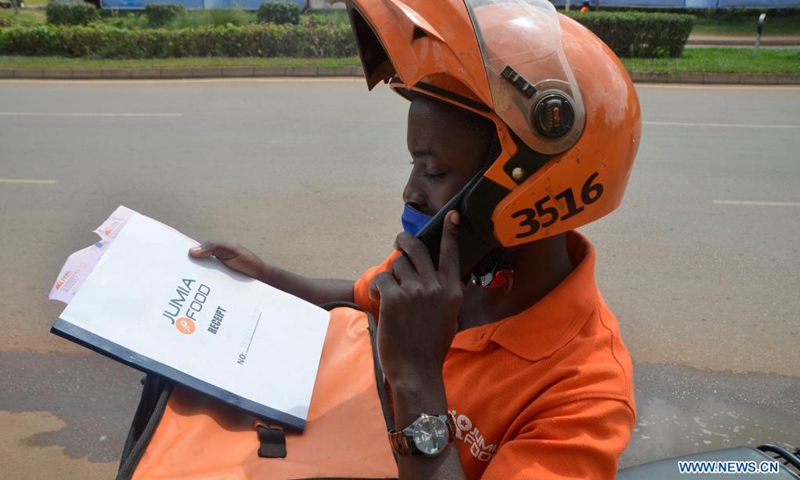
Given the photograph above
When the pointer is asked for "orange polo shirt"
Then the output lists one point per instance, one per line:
(545, 394)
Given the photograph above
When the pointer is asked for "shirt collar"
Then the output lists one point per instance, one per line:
(550, 323)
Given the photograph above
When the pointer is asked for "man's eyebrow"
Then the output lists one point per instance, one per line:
(423, 152)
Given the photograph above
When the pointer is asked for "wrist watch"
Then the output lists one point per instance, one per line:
(428, 436)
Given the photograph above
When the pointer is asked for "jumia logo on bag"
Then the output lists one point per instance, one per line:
(189, 302)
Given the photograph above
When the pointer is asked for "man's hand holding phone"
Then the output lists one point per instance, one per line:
(419, 307)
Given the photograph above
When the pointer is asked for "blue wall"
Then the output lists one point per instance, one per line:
(195, 4)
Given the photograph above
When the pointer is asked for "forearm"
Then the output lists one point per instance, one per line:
(313, 290)
(413, 397)
(419, 310)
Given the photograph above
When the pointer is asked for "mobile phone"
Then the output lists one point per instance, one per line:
(475, 202)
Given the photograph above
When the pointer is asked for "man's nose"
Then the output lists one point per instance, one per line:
(413, 195)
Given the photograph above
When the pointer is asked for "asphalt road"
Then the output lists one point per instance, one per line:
(701, 263)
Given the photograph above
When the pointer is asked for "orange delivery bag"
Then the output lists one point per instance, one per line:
(181, 434)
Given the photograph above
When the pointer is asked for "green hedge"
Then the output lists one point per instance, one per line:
(71, 14)
(160, 14)
(637, 34)
(629, 34)
(227, 41)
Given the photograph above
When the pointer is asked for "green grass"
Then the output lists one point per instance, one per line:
(59, 63)
(721, 60)
(24, 18)
(699, 60)
(783, 25)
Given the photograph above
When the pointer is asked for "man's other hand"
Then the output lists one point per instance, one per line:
(233, 256)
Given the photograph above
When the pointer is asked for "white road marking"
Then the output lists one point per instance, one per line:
(720, 125)
(67, 114)
(716, 87)
(757, 203)
(27, 180)
(276, 79)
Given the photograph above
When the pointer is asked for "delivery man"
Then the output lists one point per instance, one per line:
(502, 358)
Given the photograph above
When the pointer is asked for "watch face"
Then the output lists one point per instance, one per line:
(430, 435)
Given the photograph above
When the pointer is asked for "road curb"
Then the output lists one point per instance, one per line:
(722, 41)
(323, 72)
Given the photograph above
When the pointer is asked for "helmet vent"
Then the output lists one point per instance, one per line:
(419, 33)
(518, 81)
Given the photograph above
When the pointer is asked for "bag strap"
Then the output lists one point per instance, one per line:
(152, 405)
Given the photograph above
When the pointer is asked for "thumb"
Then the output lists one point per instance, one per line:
(201, 251)
(208, 248)
(374, 293)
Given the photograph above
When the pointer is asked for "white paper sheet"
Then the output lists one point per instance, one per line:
(149, 305)
(80, 264)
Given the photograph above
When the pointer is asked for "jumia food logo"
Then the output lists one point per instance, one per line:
(183, 309)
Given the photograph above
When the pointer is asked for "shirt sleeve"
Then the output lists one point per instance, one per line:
(361, 286)
(577, 440)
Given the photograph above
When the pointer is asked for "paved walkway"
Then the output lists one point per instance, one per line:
(743, 41)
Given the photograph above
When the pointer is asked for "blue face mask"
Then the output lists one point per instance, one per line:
(413, 221)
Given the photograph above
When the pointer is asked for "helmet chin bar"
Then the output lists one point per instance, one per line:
(478, 204)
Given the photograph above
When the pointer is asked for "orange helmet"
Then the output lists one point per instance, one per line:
(566, 112)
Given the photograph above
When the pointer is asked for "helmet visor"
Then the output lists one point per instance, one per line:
(532, 86)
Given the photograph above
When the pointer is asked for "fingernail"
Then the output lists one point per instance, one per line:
(195, 249)
(455, 218)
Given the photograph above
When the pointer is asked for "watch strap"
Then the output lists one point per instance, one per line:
(402, 444)
(402, 441)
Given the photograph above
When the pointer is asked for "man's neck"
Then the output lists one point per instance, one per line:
(540, 267)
